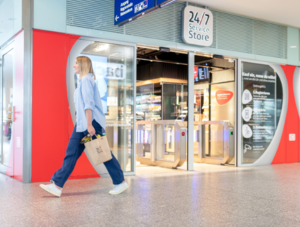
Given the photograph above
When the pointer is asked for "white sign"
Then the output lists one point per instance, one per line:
(292, 137)
(197, 26)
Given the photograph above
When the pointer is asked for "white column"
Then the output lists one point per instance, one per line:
(190, 147)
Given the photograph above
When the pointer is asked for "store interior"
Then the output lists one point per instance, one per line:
(162, 108)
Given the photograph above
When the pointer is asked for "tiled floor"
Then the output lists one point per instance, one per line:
(210, 196)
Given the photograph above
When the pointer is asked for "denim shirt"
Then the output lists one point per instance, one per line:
(87, 96)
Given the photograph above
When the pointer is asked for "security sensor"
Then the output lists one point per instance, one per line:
(164, 49)
(218, 56)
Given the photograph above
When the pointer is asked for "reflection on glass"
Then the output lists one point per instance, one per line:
(7, 107)
(114, 70)
(148, 103)
(216, 141)
(168, 100)
(181, 102)
(165, 136)
(144, 139)
(201, 113)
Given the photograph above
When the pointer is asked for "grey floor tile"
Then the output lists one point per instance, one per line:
(210, 196)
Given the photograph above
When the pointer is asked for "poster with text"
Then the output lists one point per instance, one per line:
(258, 109)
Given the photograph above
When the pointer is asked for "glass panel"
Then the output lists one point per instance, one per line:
(181, 102)
(114, 69)
(206, 140)
(216, 141)
(148, 103)
(261, 108)
(165, 136)
(144, 139)
(7, 105)
(169, 101)
(201, 113)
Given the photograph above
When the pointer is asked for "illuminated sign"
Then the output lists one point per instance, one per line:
(201, 74)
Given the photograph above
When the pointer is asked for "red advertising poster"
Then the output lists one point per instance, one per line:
(223, 96)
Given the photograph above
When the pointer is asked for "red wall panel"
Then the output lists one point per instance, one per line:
(51, 119)
(287, 151)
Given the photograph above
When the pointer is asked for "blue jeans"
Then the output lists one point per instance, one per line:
(74, 151)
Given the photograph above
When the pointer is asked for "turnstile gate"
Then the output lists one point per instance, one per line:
(214, 143)
(161, 143)
(164, 143)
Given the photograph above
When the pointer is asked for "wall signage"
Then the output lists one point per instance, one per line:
(128, 10)
(259, 84)
(201, 74)
(223, 97)
(197, 26)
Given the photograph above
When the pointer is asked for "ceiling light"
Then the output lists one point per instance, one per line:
(100, 47)
(293, 46)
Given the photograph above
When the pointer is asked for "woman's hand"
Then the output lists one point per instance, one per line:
(89, 119)
(91, 130)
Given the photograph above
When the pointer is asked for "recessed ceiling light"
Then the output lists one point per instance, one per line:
(293, 46)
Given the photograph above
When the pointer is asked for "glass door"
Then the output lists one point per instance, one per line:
(114, 67)
(7, 113)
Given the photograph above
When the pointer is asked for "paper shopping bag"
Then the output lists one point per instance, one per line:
(98, 150)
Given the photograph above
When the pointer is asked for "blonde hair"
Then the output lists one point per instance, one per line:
(85, 65)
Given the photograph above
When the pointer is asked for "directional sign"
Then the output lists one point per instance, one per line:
(127, 10)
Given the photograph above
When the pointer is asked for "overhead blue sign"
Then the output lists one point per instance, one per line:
(127, 10)
(158, 2)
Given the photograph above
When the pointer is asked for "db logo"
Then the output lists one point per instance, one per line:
(99, 150)
(223, 97)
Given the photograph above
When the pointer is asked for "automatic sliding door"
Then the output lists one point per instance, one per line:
(7, 154)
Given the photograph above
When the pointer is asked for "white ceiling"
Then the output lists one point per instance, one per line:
(285, 12)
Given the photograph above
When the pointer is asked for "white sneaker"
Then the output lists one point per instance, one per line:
(119, 189)
(51, 188)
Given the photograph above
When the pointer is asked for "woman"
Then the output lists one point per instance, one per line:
(90, 119)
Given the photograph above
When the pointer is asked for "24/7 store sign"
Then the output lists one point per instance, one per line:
(197, 26)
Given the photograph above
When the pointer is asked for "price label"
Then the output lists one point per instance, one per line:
(197, 26)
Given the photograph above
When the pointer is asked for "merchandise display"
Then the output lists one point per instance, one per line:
(161, 99)
(148, 107)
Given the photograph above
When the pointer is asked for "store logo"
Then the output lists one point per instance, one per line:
(223, 97)
(197, 26)
(140, 6)
(99, 150)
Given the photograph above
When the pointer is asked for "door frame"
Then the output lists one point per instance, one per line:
(6, 49)
(86, 40)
